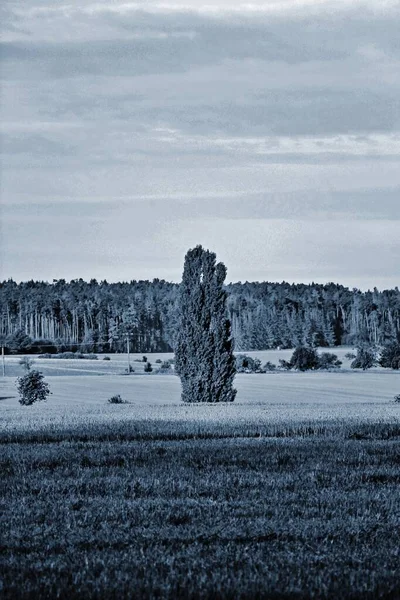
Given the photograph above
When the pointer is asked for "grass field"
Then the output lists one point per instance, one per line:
(118, 363)
(292, 491)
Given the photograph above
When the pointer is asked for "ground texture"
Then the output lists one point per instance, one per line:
(292, 491)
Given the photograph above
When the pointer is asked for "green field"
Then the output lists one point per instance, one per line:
(292, 491)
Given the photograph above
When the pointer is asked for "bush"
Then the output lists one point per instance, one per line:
(284, 364)
(304, 359)
(327, 360)
(364, 360)
(307, 359)
(106, 358)
(158, 361)
(397, 398)
(247, 364)
(71, 355)
(144, 359)
(390, 357)
(269, 366)
(32, 388)
(350, 356)
(148, 368)
(130, 369)
(165, 368)
(257, 368)
(66, 355)
(116, 400)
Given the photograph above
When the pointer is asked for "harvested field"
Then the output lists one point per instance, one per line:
(292, 491)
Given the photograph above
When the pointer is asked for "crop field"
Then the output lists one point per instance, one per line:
(79, 397)
(292, 491)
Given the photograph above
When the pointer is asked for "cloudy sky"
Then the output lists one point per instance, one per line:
(268, 131)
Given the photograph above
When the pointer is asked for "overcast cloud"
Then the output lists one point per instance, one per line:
(269, 132)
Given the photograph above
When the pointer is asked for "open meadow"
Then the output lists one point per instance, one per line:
(118, 363)
(292, 491)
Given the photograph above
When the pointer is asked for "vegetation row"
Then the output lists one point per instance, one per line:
(39, 317)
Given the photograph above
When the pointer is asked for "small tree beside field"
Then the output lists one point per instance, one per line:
(390, 357)
(32, 388)
(364, 360)
(247, 364)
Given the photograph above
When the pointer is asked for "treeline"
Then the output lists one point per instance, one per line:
(99, 317)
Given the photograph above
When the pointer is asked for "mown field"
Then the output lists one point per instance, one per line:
(292, 491)
(118, 363)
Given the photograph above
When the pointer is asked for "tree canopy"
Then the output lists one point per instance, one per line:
(96, 317)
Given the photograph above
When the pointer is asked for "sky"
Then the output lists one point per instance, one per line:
(268, 132)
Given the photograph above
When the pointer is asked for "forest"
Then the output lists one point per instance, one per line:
(37, 316)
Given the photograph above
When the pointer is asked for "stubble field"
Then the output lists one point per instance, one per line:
(290, 492)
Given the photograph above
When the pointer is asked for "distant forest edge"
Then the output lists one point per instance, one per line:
(97, 317)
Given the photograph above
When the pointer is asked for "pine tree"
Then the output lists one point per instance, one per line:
(204, 357)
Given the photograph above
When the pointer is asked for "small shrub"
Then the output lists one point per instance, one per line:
(284, 364)
(67, 355)
(397, 398)
(390, 357)
(243, 362)
(144, 359)
(116, 400)
(32, 388)
(396, 363)
(247, 364)
(364, 360)
(148, 368)
(158, 361)
(350, 356)
(165, 368)
(269, 366)
(106, 358)
(327, 360)
(304, 359)
(257, 366)
(130, 369)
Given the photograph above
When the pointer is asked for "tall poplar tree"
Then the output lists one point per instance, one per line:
(204, 357)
